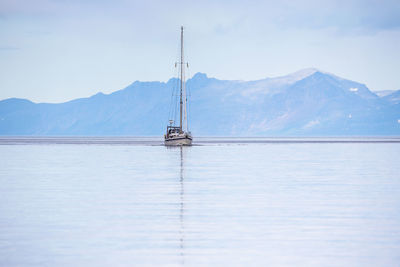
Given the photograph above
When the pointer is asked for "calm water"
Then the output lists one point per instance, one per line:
(136, 203)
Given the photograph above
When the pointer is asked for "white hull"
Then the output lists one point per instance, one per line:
(178, 141)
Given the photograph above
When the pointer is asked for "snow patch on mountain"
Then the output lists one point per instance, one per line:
(393, 98)
(276, 84)
(384, 92)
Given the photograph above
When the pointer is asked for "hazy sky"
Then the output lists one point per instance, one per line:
(57, 50)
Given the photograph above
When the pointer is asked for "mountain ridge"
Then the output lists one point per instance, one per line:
(305, 103)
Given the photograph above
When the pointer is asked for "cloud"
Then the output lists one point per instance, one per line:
(352, 16)
(362, 16)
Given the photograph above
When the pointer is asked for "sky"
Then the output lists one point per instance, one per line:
(58, 50)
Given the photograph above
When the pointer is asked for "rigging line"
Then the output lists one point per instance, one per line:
(173, 104)
(175, 95)
(170, 105)
(188, 95)
(170, 111)
(176, 101)
(187, 88)
(172, 108)
(177, 85)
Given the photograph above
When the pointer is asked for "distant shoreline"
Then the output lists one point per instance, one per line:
(132, 140)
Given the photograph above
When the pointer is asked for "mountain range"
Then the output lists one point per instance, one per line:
(309, 102)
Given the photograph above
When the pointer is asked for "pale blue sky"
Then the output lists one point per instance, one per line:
(57, 50)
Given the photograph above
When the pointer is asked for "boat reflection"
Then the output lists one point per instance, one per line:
(182, 150)
(181, 211)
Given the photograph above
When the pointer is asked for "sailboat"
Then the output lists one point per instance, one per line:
(179, 135)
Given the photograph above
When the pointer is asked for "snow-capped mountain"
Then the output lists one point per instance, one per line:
(307, 102)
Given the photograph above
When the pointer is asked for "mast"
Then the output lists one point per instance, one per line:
(182, 83)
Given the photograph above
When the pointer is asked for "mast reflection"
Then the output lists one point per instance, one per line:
(181, 156)
(181, 211)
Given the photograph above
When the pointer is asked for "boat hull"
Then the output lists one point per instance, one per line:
(179, 141)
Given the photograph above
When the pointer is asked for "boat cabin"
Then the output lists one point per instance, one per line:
(173, 130)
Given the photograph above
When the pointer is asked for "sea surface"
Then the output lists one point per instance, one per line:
(123, 201)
